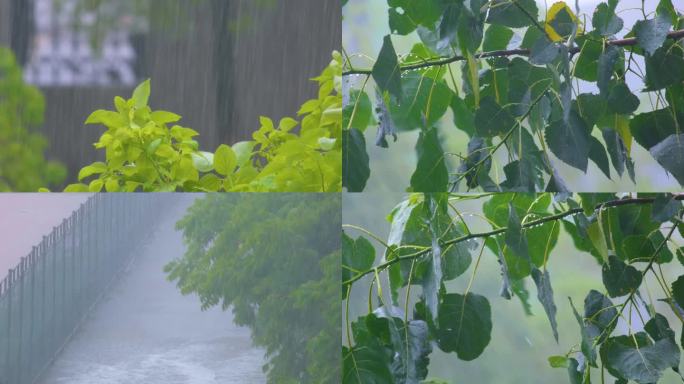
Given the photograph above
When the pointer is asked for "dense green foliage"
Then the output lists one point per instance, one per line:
(275, 259)
(144, 154)
(412, 310)
(512, 82)
(22, 164)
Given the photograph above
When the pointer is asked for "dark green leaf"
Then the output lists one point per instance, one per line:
(598, 323)
(386, 72)
(516, 241)
(544, 51)
(621, 100)
(496, 38)
(406, 15)
(368, 361)
(448, 26)
(586, 67)
(665, 207)
(665, 67)
(651, 34)
(510, 14)
(470, 30)
(545, 296)
(643, 361)
(678, 291)
(597, 154)
(477, 154)
(605, 21)
(431, 174)
(465, 325)
(574, 372)
(355, 168)
(385, 123)
(492, 120)
(357, 257)
(616, 149)
(619, 278)
(653, 127)
(606, 66)
(428, 101)
(670, 155)
(463, 117)
(570, 141)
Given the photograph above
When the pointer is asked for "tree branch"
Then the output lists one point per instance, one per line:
(678, 34)
(471, 236)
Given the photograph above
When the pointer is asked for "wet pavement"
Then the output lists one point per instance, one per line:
(144, 331)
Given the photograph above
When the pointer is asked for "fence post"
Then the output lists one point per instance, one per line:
(21, 322)
(9, 287)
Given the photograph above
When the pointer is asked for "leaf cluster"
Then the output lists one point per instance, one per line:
(519, 91)
(430, 244)
(146, 150)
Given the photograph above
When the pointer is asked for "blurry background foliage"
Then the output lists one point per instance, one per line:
(440, 122)
(23, 166)
(276, 264)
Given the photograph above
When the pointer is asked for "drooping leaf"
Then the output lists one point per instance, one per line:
(386, 72)
(428, 100)
(492, 120)
(653, 127)
(431, 174)
(355, 162)
(368, 361)
(665, 207)
(570, 141)
(385, 123)
(619, 278)
(587, 65)
(670, 155)
(606, 65)
(616, 149)
(678, 291)
(597, 154)
(664, 67)
(605, 21)
(465, 325)
(448, 26)
(545, 296)
(651, 34)
(477, 154)
(516, 241)
(621, 100)
(496, 38)
(637, 358)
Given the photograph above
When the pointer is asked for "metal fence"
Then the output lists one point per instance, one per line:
(43, 299)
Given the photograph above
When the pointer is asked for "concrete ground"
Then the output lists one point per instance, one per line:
(143, 331)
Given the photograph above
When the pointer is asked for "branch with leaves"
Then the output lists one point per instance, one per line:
(507, 57)
(431, 243)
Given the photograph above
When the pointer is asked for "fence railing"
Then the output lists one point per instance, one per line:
(43, 299)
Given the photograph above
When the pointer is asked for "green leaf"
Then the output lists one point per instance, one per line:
(360, 107)
(663, 68)
(492, 120)
(510, 14)
(386, 72)
(606, 65)
(369, 360)
(243, 151)
(619, 278)
(597, 154)
(225, 160)
(544, 51)
(616, 149)
(107, 118)
(670, 155)
(465, 325)
(653, 127)
(141, 94)
(517, 242)
(574, 372)
(621, 100)
(605, 21)
(496, 38)
(448, 26)
(357, 257)
(164, 117)
(598, 323)
(665, 207)
(203, 161)
(355, 162)
(559, 361)
(569, 140)
(92, 169)
(464, 118)
(545, 295)
(651, 34)
(431, 174)
(429, 101)
(642, 361)
(678, 291)
(586, 67)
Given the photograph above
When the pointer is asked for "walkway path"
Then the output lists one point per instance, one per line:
(144, 332)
